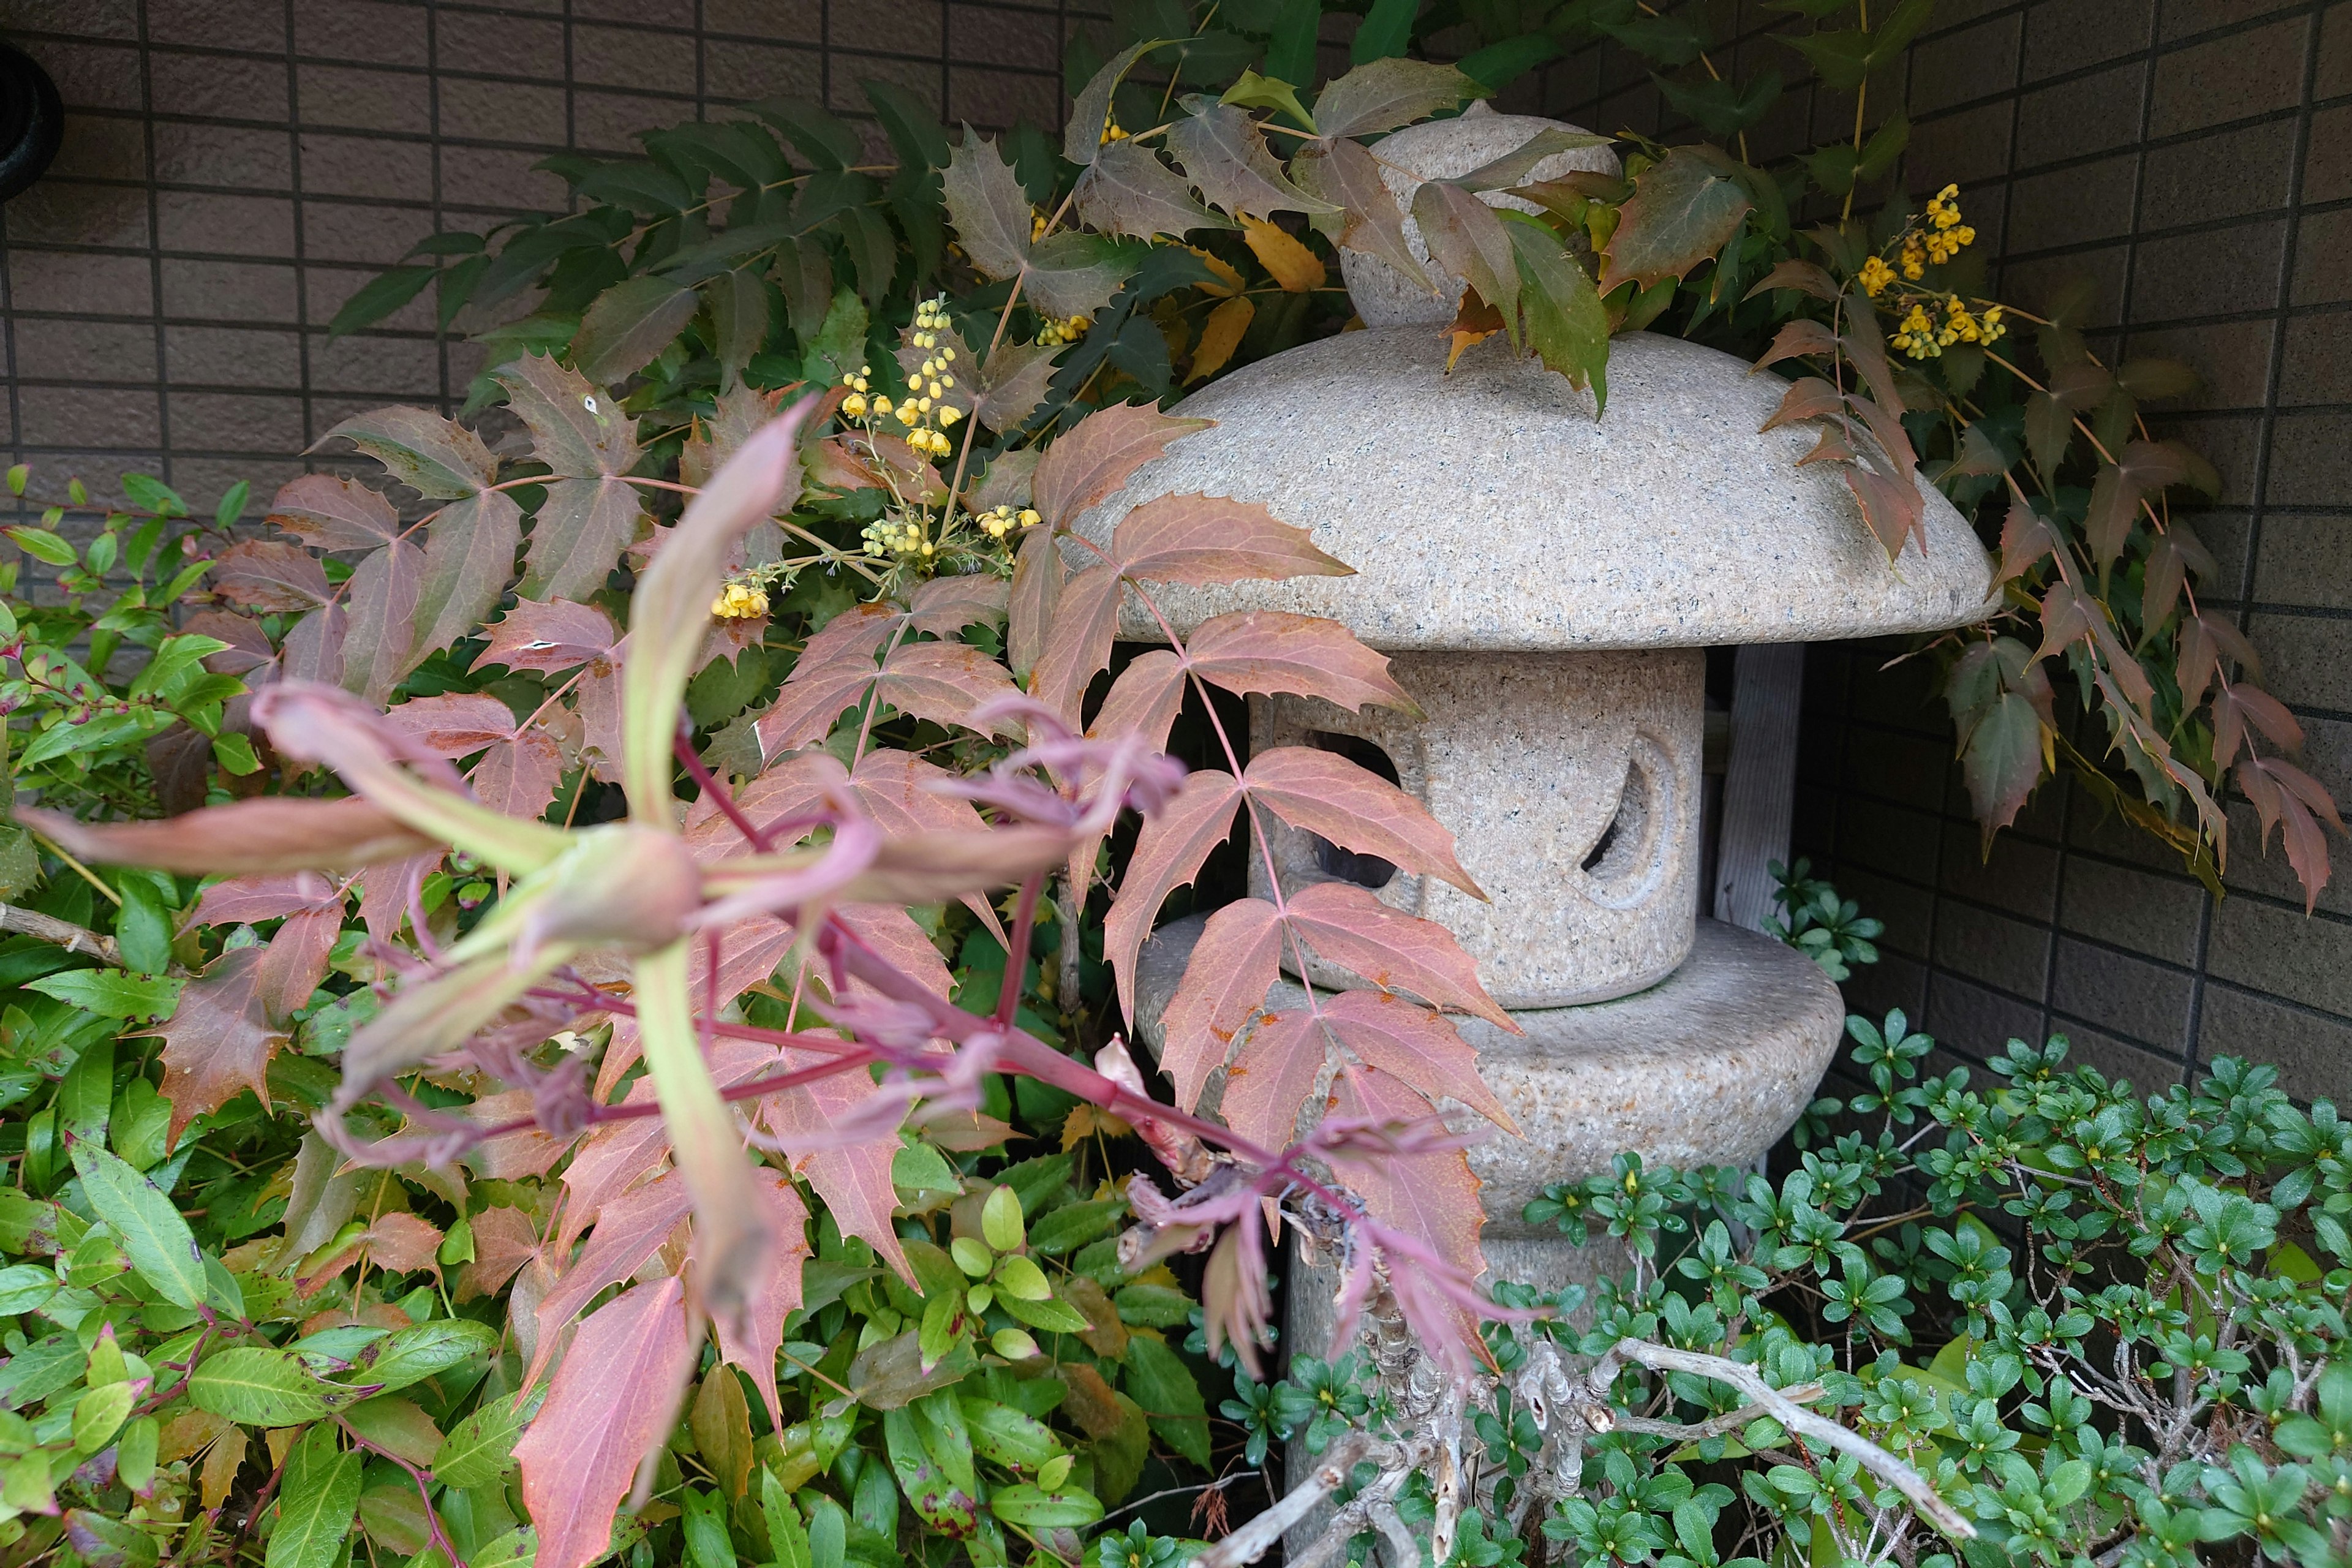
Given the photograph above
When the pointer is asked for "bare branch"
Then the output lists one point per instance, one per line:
(65, 933)
(1774, 1403)
(1255, 1538)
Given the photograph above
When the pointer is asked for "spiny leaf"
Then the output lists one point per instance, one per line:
(1035, 600)
(1299, 269)
(1233, 967)
(1075, 273)
(1221, 335)
(1562, 319)
(942, 682)
(2296, 803)
(1279, 1065)
(1223, 153)
(1466, 238)
(1356, 809)
(1144, 700)
(1345, 175)
(1268, 651)
(987, 207)
(1130, 191)
(1082, 135)
(382, 597)
(1433, 1197)
(752, 1343)
(1381, 95)
(1212, 539)
(853, 1180)
(468, 559)
(1099, 455)
(1349, 926)
(1684, 208)
(1014, 383)
(330, 512)
(629, 1229)
(424, 451)
(614, 1398)
(631, 322)
(1516, 167)
(269, 575)
(1414, 1046)
(577, 427)
(1156, 1379)
(549, 636)
(1168, 854)
(1078, 646)
(577, 537)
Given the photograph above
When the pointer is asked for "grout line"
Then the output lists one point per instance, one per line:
(301, 247)
(440, 212)
(155, 252)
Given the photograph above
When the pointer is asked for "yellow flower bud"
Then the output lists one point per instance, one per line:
(854, 407)
(948, 415)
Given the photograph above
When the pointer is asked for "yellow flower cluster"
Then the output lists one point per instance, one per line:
(998, 521)
(1059, 331)
(854, 405)
(931, 382)
(1922, 336)
(1111, 132)
(1875, 276)
(897, 536)
(1947, 233)
(739, 602)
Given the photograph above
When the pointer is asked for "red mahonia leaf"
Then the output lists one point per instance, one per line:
(616, 1154)
(295, 960)
(1356, 809)
(519, 1156)
(613, 1400)
(2284, 796)
(1306, 656)
(1036, 599)
(244, 899)
(852, 1180)
(1168, 854)
(1892, 509)
(1414, 1046)
(1226, 980)
(942, 682)
(327, 512)
(1099, 454)
(402, 1243)
(813, 698)
(2235, 703)
(1433, 1196)
(891, 931)
(629, 1230)
(1349, 926)
(519, 768)
(749, 952)
(244, 837)
(1800, 338)
(751, 1338)
(2025, 542)
(945, 606)
(1809, 398)
(217, 1040)
(470, 553)
(249, 646)
(314, 648)
(1212, 539)
(550, 636)
(1144, 700)
(503, 1242)
(1274, 1075)
(1077, 647)
(269, 575)
(382, 624)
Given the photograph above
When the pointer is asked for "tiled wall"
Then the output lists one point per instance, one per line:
(235, 168)
(2194, 157)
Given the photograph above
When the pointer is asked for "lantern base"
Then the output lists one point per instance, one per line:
(1707, 1068)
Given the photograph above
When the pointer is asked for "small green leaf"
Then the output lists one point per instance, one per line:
(1001, 1223)
(25, 1286)
(134, 1453)
(1020, 1280)
(161, 1247)
(42, 545)
(99, 1414)
(413, 1354)
(479, 1450)
(1035, 1508)
(257, 1386)
(112, 993)
(972, 1255)
(379, 297)
(316, 1505)
(1012, 1345)
(1156, 1378)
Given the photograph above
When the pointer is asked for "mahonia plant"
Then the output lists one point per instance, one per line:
(650, 927)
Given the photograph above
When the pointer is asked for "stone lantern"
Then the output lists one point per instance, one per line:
(1545, 581)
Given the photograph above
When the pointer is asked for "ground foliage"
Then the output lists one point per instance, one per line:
(237, 1338)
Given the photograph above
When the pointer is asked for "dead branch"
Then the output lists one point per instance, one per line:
(1600, 1417)
(65, 933)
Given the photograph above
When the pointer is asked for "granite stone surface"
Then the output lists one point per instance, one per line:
(1570, 783)
(1491, 510)
(1709, 1066)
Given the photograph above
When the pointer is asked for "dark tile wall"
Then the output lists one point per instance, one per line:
(234, 169)
(2194, 158)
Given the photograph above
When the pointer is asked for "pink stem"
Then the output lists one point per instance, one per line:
(716, 793)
